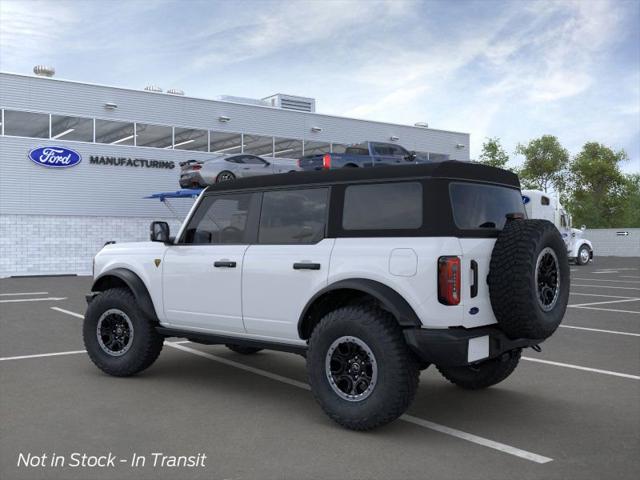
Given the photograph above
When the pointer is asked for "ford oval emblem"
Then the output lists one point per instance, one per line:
(474, 310)
(525, 199)
(55, 157)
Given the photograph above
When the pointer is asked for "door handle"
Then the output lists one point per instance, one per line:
(306, 266)
(474, 286)
(224, 264)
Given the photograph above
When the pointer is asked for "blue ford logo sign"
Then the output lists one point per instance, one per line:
(525, 199)
(55, 157)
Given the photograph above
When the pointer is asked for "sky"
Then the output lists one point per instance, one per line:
(514, 70)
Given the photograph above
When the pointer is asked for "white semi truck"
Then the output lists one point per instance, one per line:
(541, 205)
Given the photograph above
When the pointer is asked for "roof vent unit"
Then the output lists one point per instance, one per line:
(292, 102)
(175, 91)
(153, 88)
(245, 100)
(44, 71)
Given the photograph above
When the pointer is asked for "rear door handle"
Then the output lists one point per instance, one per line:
(474, 286)
(306, 266)
(224, 264)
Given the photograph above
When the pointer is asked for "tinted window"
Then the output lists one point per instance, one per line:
(220, 219)
(250, 159)
(157, 136)
(113, 132)
(190, 139)
(483, 206)
(383, 206)
(26, 124)
(72, 128)
(544, 200)
(293, 216)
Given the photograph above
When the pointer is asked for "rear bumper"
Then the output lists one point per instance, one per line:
(191, 179)
(454, 347)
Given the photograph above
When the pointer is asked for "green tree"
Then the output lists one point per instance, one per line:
(545, 164)
(630, 216)
(599, 192)
(493, 154)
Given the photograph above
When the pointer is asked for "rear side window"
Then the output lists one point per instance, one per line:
(293, 216)
(383, 206)
(221, 219)
(483, 206)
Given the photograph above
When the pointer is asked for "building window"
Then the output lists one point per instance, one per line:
(316, 148)
(258, 145)
(383, 206)
(287, 148)
(157, 136)
(26, 124)
(225, 143)
(72, 128)
(191, 139)
(114, 133)
(293, 216)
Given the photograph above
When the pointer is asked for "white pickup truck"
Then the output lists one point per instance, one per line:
(541, 205)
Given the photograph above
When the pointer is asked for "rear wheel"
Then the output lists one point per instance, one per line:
(242, 349)
(583, 255)
(482, 375)
(225, 176)
(119, 338)
(361, 372)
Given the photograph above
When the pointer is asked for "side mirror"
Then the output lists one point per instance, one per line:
(411, 157)
(583, 228)
(159, 232)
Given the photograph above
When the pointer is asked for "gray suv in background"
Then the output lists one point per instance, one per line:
(201, 173)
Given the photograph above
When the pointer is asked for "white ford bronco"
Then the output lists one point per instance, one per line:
(371, 274)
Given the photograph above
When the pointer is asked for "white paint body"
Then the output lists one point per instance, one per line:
(540, 205)
(263, 297)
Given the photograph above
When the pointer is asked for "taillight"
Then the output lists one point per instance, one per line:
(299, 162)
(326, 160)
(449, 280)
(196, 167)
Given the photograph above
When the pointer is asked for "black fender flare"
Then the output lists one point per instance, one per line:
(133, 282)
(390, 300)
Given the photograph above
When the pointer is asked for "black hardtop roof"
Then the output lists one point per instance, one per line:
(450, 169)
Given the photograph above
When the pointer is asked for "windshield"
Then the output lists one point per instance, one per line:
(483, 206)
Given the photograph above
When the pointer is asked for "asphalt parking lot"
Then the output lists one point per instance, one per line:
(571, 411)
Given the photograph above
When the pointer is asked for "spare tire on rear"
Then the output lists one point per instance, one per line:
(529, 279)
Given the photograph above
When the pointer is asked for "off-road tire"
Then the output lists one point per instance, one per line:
(242, 349)
(397, 369)
(482, 375)
(225, 176)
(145, 345)
(512, 279)
(579, 257)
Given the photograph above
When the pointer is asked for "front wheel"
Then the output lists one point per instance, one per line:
(361, 372)
(119, 338)
(583, 255)
(485, 374)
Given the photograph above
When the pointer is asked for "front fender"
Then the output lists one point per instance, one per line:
(133, 282)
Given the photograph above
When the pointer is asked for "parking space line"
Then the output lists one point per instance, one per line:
(606, 280)
(580, 367)
(23, 293)
(605, 286)
(407, 418)
(62, 310)
(41, 355)
(597, 295)
(632, 299)
(609, 310)
(629, 276)
(601, 330)
(534, 457)
(46, 299)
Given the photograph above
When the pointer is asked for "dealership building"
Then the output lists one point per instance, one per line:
(77, 159)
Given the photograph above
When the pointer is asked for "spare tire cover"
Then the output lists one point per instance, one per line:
(529, 279)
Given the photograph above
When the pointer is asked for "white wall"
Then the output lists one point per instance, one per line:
(54, 244)
(606, 242)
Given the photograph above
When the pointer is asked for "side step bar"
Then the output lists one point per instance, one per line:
(214, 339)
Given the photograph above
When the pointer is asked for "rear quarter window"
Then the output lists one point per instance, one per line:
(383, 206)
(478, 206)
